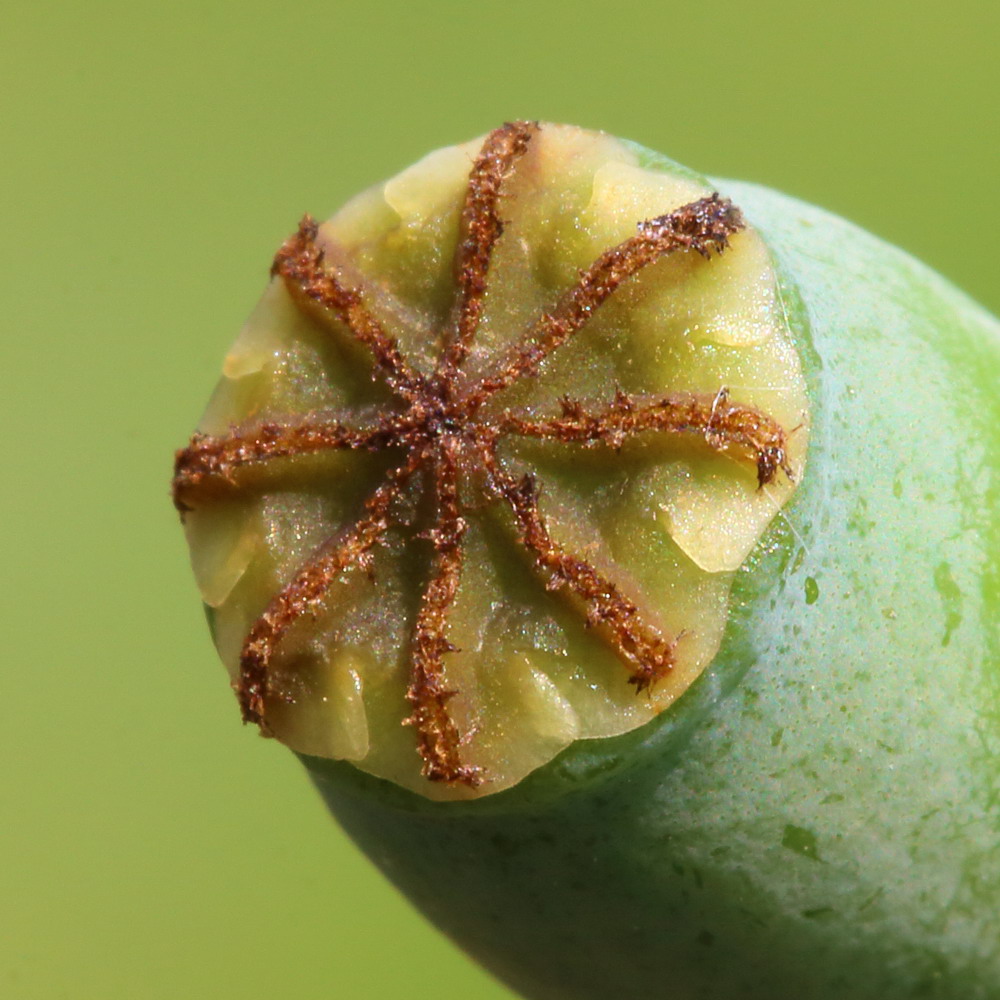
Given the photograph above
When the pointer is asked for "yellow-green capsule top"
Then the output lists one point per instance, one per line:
(485, 457)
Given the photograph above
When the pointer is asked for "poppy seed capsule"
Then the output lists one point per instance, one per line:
(493, 460)
(487, 455)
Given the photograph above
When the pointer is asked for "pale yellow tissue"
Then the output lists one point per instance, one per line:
(562, 153)
(232, 623)
(624, 195)
(222, 545)
(233, 400)
(733, 301)
(263, 334)
(605, 705)
(349, 721)
(358, 221)
(716, 520)
(549, 714)
(432, 185)
(330, 720)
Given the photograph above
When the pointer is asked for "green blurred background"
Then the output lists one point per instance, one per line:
(152, 158)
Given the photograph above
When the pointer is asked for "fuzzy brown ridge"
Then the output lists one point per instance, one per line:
(439, 424)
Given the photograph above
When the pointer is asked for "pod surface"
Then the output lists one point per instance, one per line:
(818, 816)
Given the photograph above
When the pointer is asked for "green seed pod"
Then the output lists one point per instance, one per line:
(514, 451)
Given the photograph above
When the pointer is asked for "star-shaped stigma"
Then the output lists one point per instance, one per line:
(448, 445)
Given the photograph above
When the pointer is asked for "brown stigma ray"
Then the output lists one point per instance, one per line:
(442, 430)
(438, 737)
(209, 461)
(481, 227)
(301, 262)
(725, 426)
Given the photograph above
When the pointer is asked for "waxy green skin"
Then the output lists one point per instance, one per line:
(819, 816)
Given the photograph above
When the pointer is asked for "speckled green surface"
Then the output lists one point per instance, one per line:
(819, 816)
